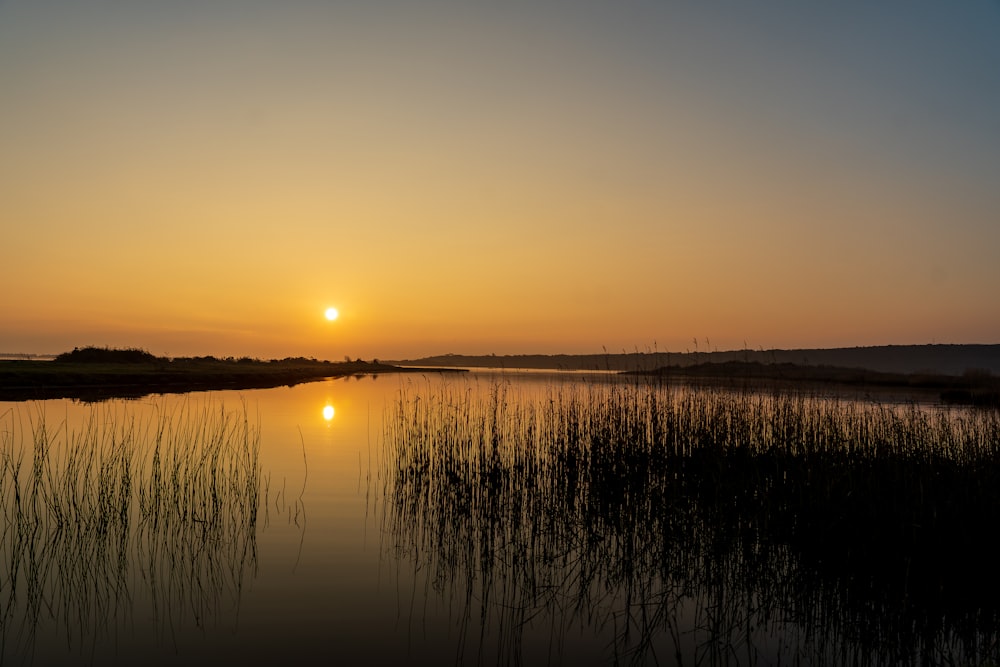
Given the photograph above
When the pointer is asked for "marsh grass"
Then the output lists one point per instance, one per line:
(120, 511)
(700, 525)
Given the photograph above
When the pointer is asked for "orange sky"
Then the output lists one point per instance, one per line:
(207, 178)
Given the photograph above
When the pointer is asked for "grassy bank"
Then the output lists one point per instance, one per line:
(933, 359)
(974, 387)
(97, 373)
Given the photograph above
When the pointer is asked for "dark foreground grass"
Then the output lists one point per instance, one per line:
(709, 526)
(122, 514)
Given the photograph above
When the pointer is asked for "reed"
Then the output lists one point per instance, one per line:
(702, 524)
(121, 508)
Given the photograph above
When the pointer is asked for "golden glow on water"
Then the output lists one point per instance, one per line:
(339, 541)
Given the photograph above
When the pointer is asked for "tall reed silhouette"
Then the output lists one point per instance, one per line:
(118, 509)
(699, 525)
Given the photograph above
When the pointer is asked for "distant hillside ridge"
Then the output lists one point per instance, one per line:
(944, 359)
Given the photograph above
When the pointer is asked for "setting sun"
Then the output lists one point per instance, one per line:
(566, 238)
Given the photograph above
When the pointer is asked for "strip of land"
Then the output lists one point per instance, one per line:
(972, 388)
(920, 359)
(963, 374)
(100, 373)
(92, 374)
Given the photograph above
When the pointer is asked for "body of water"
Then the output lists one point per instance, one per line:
(445, 519)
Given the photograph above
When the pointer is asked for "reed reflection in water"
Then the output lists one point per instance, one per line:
(124, 521)
(670, 525)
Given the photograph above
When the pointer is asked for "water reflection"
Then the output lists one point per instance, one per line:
(122, 521)
(696, 526)
(502, 549)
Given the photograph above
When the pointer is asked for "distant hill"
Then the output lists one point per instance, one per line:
(928, 359)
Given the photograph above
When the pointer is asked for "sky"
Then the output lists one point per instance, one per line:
(209, 176)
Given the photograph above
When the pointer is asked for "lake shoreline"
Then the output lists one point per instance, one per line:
(936, 359)
(38, 380)
(93, 374)
(981, 390)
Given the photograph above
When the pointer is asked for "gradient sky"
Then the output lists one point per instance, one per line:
(207, 176)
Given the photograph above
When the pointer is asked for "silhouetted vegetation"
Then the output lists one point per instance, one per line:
(98, 373)
(703, 525)
(902, 359)
(105, 355)
(974, 387)
(96, 517)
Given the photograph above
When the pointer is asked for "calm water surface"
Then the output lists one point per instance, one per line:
(323, 582)
(330, 577)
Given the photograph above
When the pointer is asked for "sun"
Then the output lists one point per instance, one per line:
(332, 314)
